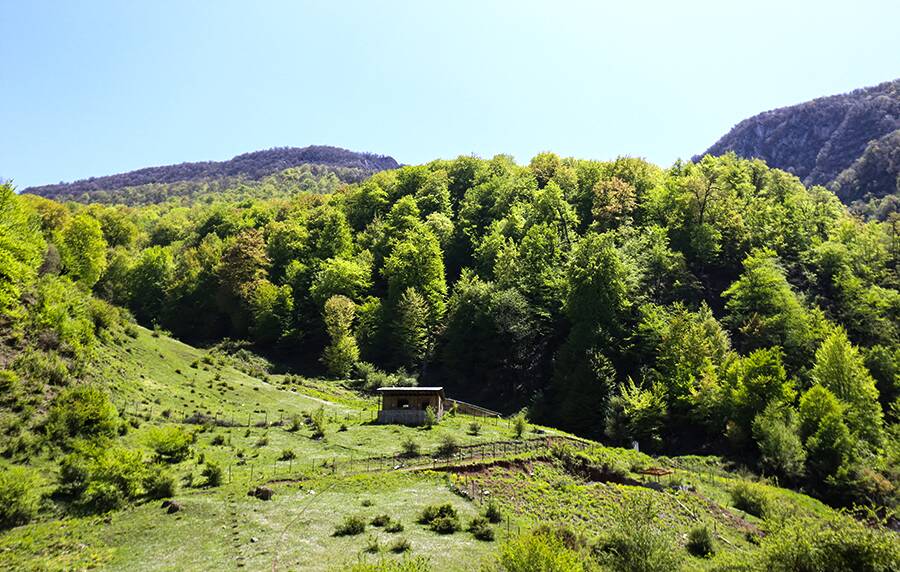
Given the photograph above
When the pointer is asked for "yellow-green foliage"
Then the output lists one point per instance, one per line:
(19, 496)
(21, 249)
(82, 411)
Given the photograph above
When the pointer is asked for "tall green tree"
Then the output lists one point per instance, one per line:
(342, 353)
(21, 249)
(83, 249)
(840, 369)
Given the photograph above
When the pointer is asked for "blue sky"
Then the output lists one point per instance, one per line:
(94, 88)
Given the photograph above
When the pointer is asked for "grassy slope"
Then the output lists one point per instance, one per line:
(223, 528)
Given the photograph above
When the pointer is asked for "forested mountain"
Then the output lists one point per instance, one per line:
(849, 143)
(693, 308)
(718, 308)
(348, 166)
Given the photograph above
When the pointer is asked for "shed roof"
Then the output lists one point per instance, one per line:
(411, 390)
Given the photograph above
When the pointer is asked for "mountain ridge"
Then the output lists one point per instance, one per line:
(822, 140)
(253, 165)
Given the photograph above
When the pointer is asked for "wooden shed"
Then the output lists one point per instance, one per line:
(406, 405)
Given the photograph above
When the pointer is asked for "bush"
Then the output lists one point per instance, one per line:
(539, 551)
(318, 422)
(409, 448)
(481, 528)
(474, 428)
(700, 542)
(82, 411)
(287, 455)
(350, 526)
(636, 542)
(394, 526)
(19, 496)
(840, 544)
(217, 440)
(160, 484)
(430, 417)
(213, 474)
(372, 544)
(519, 425)
(434, 511)
(171, 444)
(102, 477)
(381, 520)
(750, 498)
(42, 367)
(296, 423)
(776, 433)
(445, 524)
(448, 447)
(400, 546)
(406, 564)
(101, 496)
(492, 513)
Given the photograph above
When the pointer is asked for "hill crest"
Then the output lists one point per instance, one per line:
(253, 165)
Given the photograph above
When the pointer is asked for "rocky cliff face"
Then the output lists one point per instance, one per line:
(845, 142)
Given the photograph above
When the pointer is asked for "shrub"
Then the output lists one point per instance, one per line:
(776, 433)
(430, 417)
(381, 520)
(519, 425)
(445, 524)
(213, 474)
(636, 542)
(217, 440)
(372, 544)
(262, 441)
(101, 496)
(481, 528)
(448, 447)
(102, 477)
(840, 544)
(350, 526)
(539, 551)
(700, 542)
(296, 423)
(400, 546)
(394, 526)
(492, 513)
(409, 448)
(406, 564)
(287, 455)
(19, 496)
(318, 422)
(82, 411)
(431, 512)
(42, 367)
(160, 484)
(474, 428)
(171, 444)
(750, 498)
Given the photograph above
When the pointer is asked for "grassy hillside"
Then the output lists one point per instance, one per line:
(158, 382)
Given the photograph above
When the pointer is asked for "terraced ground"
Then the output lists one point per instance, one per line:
(246, 424)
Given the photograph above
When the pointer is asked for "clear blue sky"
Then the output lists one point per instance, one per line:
(94, 88)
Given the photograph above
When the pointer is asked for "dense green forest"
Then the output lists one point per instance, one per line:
(712, 306)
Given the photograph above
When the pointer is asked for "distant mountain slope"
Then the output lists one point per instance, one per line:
(845, 142)
(348, 165)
